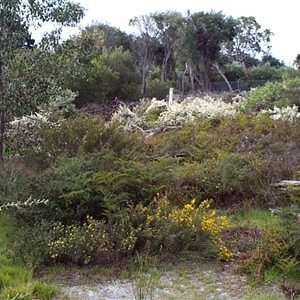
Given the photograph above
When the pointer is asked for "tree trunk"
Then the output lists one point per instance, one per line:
(192, 78)
(215, 65)
(143, 84)
(2, 117)
(2, 130)
(207, 67)
(182, 79)
(164, 67)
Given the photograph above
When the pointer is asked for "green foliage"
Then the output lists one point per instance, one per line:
(159, 90)
(152, 114)
(28, 78)
(80, 135)
(265, 97)
(94, 83)
(100, 73)
(292, 91)
(147, 279)
(234, 71)
(273, 61)
(158, 227)
(268, 251)
(264, 72)
(96, 169)
(127, 82)
(16, 275)
(280, 94)
(94, 186)
(92, 242)
(14, 181)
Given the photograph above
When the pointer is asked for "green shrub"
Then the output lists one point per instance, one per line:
(264, 72)
(168, 228)
(157, 227)
(159, 90)
(79, 136)
(44, 291)
(267, 96)
(292, 87)
(15, 180)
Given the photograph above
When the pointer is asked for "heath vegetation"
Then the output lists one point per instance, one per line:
(137, 176)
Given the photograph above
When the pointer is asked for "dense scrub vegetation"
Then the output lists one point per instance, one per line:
(154, 178)
(89, 191)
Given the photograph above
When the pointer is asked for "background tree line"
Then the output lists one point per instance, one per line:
(167, 49)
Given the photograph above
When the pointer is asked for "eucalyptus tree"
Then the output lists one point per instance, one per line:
(296, 62)
(24, 76)
(168, 25)
(144, 45)
(97, 69)
(112, 36)
(250, 40)
(203, 35)
(84, 72)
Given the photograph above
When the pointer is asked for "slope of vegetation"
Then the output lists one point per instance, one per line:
(86, 191)
(153, 179)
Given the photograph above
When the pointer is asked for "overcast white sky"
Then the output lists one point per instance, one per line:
(281, 17)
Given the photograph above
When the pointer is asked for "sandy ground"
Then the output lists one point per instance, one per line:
(189, 285)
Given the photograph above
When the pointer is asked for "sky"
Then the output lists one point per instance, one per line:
(282, 18)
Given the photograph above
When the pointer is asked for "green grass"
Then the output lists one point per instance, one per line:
(16, 279)
(251, 217)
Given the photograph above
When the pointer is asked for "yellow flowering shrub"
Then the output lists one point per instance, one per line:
(157, 227)
(188, 227)
(77, 243)
(92, 241)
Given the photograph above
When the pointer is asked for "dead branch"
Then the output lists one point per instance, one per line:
(153, 131)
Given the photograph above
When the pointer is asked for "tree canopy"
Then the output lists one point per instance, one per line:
(26, 78)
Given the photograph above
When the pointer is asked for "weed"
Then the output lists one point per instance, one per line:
(147, 279)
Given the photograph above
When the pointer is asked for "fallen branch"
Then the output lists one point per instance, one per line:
(153, 131)
(287, 183)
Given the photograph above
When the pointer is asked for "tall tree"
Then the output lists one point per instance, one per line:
(19, 93)
(167, 24)
(205, 33)
(112, 36)
(250, 39)
(144, 45)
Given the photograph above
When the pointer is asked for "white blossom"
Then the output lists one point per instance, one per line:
(287, 113)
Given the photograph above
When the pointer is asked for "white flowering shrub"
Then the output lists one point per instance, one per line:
(288, 113)
(191, 109)
(125, 118)
(63, 103)
(20, 131)
(178, 113)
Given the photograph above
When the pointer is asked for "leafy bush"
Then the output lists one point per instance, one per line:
(264, 72)
(164, 227)
(158, 227)
(127, 84)
(265, 97)
(15, 180)
(159, 90)
(78, 136)
(234, 71)
(272, 94)
(94, 241)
